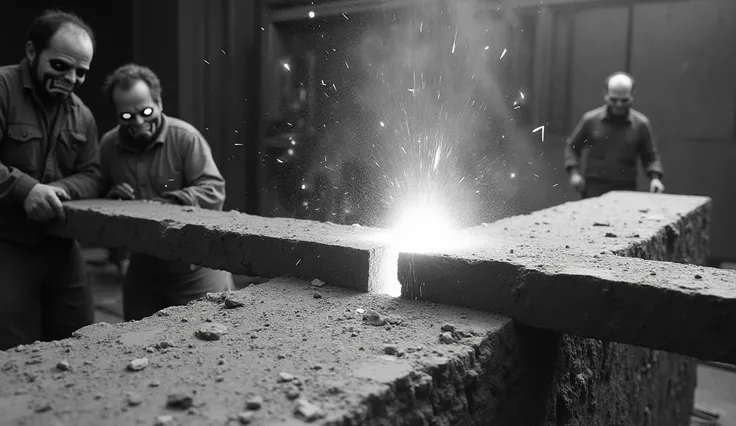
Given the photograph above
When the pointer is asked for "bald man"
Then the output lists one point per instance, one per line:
(48, 154)
(613, 137)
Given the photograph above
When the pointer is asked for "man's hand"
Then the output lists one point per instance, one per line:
(122, 191)
(656, 185)
(43, 203)
(577, 181)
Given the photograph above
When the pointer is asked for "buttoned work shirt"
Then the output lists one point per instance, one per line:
(177, 165)
(613, 145)
(54, 145)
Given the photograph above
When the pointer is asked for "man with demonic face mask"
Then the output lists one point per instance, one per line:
(614, 136)
(151, 156)
(48, 154)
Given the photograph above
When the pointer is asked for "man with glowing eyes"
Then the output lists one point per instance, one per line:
(152, 156)
(48, 154)
(614, 136)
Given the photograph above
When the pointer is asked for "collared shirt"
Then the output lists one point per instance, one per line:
(177, 165)
(36, 147)
(613, 145)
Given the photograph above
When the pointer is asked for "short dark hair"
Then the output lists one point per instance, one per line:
(616, 74)
(127, 75)
(47, 24)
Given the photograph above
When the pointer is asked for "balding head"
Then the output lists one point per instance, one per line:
(619, 93)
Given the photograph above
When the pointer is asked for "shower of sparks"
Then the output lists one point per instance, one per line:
(538, 129)
(503, 54)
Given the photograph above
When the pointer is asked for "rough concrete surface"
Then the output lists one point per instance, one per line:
(658, 227)
(562, 284)
(349, 256)
(282, 346)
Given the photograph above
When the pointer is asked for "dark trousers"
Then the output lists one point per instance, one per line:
(44, 294)
(597, 187)
(153, 284)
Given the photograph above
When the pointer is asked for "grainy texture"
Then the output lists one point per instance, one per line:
(347, 256)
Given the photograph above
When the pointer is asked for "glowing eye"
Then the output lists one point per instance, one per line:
(147, 112)
(126, 116)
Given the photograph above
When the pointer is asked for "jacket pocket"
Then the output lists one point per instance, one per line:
(71, 143)
(21, 147)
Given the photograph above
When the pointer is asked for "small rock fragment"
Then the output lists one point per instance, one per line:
(99, 395)
(254, 403)
(293, 392)
(374, 318)
(63, 365)
(391, 349)
(210, 332)
(446, 337)
(179, 400)
(133, 399)
(310, 412)
(43, 407)
(285, 377)
(163, 420)
(354, 334)
(138, 364)
(448, 327)
(154, 384)
(246, 417)
(150, 349)
(280, 356)
(611, 235)
(317, 283)
(317, 296)
(216, 297)
(601, 224)
(361, 311)
(698, 277)
(232, 303)
(166, 344)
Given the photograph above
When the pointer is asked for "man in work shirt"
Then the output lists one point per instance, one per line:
(614, 136)
(150, 156)
(48, 154)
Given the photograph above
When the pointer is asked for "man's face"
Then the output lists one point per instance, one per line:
(619, 99)
(62, 67)
(137, 111)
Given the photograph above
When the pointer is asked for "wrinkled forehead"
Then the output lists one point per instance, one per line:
(619, 90)
(71, 45)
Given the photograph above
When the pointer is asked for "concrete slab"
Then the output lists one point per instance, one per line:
(557, 279)
(349, 256)
(281, 346)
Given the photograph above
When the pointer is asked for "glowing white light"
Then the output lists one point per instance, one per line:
(513, 175)
(304, 186)
(311, 14)
(382, 125)
(290, 151)
(286, 66)
(503, 54)
(422, 229)
(487, 47)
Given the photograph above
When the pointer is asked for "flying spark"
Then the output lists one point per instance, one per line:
(311, 14)
(503, 54)
(539, 128)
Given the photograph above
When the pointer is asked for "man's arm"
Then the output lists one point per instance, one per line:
(14, 184)
(86, 178)
(648, 152)
(207, 186)
(574, 145)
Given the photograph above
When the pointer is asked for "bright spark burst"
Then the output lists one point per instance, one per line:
(311, 14)
(286, 66)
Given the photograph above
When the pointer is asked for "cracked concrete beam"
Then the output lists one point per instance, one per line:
(556, 269)
(348, 256)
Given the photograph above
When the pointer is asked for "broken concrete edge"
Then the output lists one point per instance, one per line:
(680, 308)
(352, 257)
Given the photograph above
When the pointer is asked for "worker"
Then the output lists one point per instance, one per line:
(614, 136)
(48, 154)
(152, 156)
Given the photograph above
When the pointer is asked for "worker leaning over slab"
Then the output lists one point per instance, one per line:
(151, 156)
(614, 136)
(48, 154)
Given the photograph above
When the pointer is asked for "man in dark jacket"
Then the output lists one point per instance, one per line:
(614, 136)
(48, 154)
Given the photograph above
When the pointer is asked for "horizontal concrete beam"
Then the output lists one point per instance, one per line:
(348, 256)
(561, 269)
